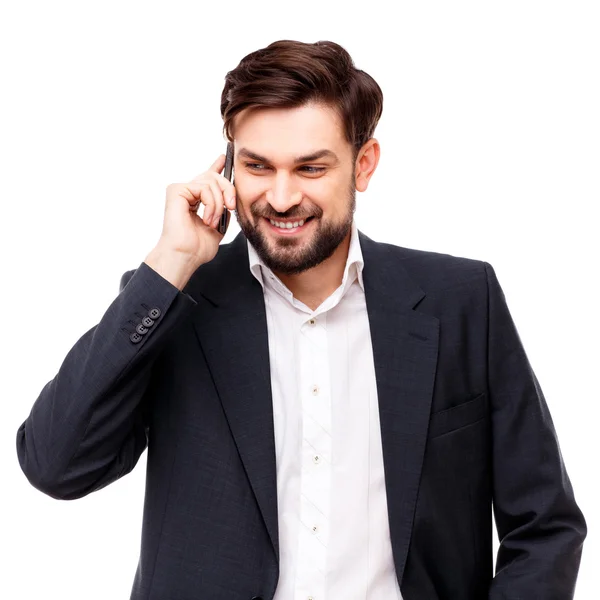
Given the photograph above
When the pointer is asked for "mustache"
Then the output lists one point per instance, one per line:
(290, 214)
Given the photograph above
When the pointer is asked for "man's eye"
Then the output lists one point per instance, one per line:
(261, 167)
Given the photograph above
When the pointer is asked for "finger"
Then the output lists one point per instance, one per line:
(218, 207)
(225, 185)
(219, 164)
(209, 202)
(191, 191)
(228, 191)
(197, 193)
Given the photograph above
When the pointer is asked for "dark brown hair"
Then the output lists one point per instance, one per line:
(289, 74)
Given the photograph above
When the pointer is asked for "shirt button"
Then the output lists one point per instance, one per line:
(315, 529)
(315, 390)
(312, 321)
(316, 459)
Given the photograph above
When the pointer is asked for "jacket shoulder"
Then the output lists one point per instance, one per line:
(438, 271)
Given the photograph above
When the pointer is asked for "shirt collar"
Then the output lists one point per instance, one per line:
(354, 263)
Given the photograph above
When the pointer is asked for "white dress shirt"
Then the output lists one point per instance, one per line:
(334, 535)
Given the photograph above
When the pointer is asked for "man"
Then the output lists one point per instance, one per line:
(326, 416)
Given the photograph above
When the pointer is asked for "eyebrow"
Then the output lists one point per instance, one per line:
(324, 153)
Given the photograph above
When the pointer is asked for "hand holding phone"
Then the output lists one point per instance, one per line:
(186, 237)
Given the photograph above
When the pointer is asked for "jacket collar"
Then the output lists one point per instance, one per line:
(229, 273)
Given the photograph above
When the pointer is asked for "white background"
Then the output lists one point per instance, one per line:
(489, 150)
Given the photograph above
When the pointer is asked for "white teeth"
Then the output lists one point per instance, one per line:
(288, 225)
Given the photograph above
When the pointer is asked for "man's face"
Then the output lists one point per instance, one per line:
(271, 185)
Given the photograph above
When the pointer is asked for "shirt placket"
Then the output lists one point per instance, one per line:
(315, 459)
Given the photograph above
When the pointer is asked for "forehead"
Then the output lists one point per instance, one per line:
(304, 127)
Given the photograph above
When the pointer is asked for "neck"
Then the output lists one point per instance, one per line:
(313, 286)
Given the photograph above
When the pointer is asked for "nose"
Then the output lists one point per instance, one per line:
(282, 195)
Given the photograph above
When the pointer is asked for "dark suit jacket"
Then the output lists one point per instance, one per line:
(464, 424)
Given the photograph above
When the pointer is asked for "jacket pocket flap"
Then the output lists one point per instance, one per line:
(458, 416)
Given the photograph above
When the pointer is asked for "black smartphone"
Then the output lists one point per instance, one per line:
(228, 173)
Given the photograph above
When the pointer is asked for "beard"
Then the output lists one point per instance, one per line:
(293, 255)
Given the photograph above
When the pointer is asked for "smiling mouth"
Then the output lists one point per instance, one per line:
(289, 228)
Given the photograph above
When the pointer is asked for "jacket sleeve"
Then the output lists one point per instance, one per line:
(89, 425)
(540, 527)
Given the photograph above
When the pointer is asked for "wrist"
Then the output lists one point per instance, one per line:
(175, 267)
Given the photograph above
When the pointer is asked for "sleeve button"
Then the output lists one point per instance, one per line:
(135, 337)
(154, 313)
(141, 329)
(147, 322)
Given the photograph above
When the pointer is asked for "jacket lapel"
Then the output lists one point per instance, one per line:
(405, 349)
(232, 330)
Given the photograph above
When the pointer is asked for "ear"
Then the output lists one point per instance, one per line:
(366, 163)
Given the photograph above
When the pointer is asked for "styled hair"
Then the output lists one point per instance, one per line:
(289, 74)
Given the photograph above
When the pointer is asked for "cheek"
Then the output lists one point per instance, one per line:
(247, 193)
(327, 193)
